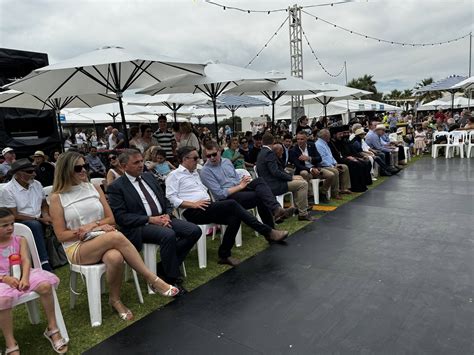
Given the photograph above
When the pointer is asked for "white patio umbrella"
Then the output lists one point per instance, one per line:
(465, 84)
(274, 91)
(173, 101)
(334, 92)
(14, 98)
(106, 70)
(218, 78)
(113, 110)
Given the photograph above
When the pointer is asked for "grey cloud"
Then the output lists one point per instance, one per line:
(194, 29)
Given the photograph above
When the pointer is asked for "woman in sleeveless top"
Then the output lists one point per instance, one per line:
(115, 170)
(78, 208)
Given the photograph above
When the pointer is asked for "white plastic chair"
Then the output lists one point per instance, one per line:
(149, 258)
(469, 143)
(201, 244)
(47, 191)
(456, 141)
(435, 147)
(94, 286)
(30, 298)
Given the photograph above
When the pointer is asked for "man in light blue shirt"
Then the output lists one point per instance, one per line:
(329, 163)
(374, 141)
(224, 182)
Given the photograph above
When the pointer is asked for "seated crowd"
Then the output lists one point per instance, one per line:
(166, 184)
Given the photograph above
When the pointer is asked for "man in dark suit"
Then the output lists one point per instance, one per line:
(307, 161)
(269, 168)
(144, 216)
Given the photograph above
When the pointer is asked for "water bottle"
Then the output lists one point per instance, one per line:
(15, 265)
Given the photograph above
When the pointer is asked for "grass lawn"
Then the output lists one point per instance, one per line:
(83, 336)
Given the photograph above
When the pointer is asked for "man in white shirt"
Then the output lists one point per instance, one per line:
(24, 196)
(145, 216)
(81, 138)
(185, 190)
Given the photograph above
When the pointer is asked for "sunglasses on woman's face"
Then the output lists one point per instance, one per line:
(112, 157)
(78, 168)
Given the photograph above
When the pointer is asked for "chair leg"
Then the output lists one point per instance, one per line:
(238, 238)
(72, 289)
(94, 298)
(33, 311)
(315, 183)
(281, 200)
(137, 286)
(149, 257)
(202, 248)
(59, 317)
(183, 268)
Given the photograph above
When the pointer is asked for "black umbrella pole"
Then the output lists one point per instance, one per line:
(214, 104)
(273, 116)
(325, 112)
(124, 123)
(61, 138)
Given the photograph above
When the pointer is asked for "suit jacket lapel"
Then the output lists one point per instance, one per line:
(131, 190)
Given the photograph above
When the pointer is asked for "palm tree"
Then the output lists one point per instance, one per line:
(429, 95)
(366, 83)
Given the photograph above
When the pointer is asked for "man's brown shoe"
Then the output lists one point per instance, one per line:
(276, 236)
(229, 261)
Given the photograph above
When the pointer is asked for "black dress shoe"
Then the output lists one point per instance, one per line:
(323, 199)
(306, 217)
(182, 291)
(229, 261)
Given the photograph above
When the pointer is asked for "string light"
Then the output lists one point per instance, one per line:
(381, 39)
(249, 11)
(319, 62)
(267, 43)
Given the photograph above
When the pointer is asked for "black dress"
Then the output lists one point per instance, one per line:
(359, 170)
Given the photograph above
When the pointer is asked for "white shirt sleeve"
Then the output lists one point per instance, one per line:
(172, 190)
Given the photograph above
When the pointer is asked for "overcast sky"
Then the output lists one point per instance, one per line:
(197, 30)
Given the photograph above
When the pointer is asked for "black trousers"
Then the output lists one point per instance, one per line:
(230, 213)
(258, 194)
(175, 243)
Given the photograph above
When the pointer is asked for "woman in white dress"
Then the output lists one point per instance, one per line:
(78, 208)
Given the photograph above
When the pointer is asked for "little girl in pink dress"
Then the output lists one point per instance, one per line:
(11, 288)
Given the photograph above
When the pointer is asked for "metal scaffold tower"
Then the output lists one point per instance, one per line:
(296, 58)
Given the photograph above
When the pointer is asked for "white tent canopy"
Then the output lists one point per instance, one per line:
(459, 102)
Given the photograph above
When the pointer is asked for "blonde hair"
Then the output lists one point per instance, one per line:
(150, 152)
(64, 171)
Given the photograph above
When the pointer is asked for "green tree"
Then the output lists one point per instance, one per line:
(366, 82)
(429, 95)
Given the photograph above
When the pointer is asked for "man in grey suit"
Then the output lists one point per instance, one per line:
(269, 167)
(144, 216)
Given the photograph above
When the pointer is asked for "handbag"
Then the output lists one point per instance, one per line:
(57, 256)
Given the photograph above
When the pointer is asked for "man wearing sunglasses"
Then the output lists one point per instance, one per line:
(24, 196)
(145, 216)
(224, 182)
(186, 191)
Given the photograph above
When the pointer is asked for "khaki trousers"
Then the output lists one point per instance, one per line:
(344, 177)
(328, 182)
(299, 188)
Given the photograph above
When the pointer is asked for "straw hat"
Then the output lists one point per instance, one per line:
(380, 126)
(359, 131)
